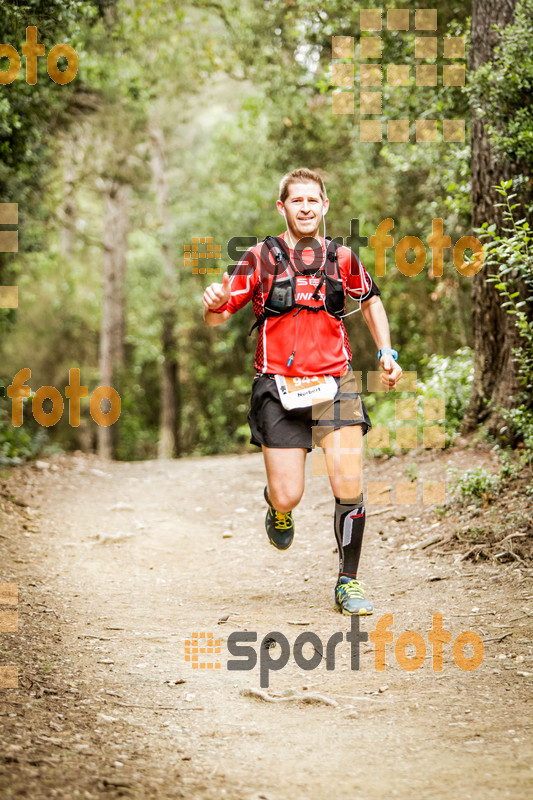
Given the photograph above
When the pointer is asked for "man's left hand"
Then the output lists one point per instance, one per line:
(392, 372)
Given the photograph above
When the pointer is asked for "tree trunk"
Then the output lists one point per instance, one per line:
(73, 152)
(69, 210)
(115, 240)
(169, 420)
(495, 334)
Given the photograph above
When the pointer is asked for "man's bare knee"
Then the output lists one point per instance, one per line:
(284, 500)
(346, 489)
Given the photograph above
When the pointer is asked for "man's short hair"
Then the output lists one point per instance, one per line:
(299, 176)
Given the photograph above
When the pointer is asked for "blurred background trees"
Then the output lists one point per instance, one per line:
(179, 124)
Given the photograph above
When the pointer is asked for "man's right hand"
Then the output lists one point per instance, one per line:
(217, 294)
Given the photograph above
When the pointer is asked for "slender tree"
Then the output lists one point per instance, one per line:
(115, 242)
(168, 443)
(495, 334)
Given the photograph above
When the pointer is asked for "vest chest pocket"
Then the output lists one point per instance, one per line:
(334, 296)
(281, 296)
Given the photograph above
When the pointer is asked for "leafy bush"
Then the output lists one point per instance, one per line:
(511, 259)
(501, 89)
(477, 484)
(450, 378)
(17, 444)
(445, 377)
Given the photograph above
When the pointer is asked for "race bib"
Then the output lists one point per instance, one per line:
(300, 392)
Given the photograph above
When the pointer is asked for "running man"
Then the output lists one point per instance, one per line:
(304, 393)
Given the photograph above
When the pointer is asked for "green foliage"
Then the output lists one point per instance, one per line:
(216, 403)
(138, 432)
(510, 257)
(480, 485)
(29, 112)
(509, 469)
(444, 377)
(412, 472)
(18, 444)
(477, 484)
(502, 89)
(29, 117)
(450, 378)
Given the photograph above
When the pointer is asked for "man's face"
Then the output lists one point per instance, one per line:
(303, 209)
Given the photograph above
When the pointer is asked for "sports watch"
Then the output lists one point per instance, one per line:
(393, 353)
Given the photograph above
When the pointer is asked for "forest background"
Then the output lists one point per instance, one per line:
(179, 123)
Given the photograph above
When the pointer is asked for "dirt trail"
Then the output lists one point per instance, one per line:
(119, 563)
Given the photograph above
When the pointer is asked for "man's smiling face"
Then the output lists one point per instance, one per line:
(303, 208)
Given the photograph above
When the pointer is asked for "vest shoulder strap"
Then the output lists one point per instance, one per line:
(276, 246)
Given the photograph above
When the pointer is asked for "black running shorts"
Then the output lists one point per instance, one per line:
(273, 426)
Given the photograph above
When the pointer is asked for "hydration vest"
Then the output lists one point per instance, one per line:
(281, 298)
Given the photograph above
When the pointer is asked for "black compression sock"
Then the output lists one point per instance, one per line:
(349, 529)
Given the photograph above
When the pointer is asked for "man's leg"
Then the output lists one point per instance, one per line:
(285, 468)
(343, 455)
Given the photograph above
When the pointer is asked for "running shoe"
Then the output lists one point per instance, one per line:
(279, 527)
(350, 598)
